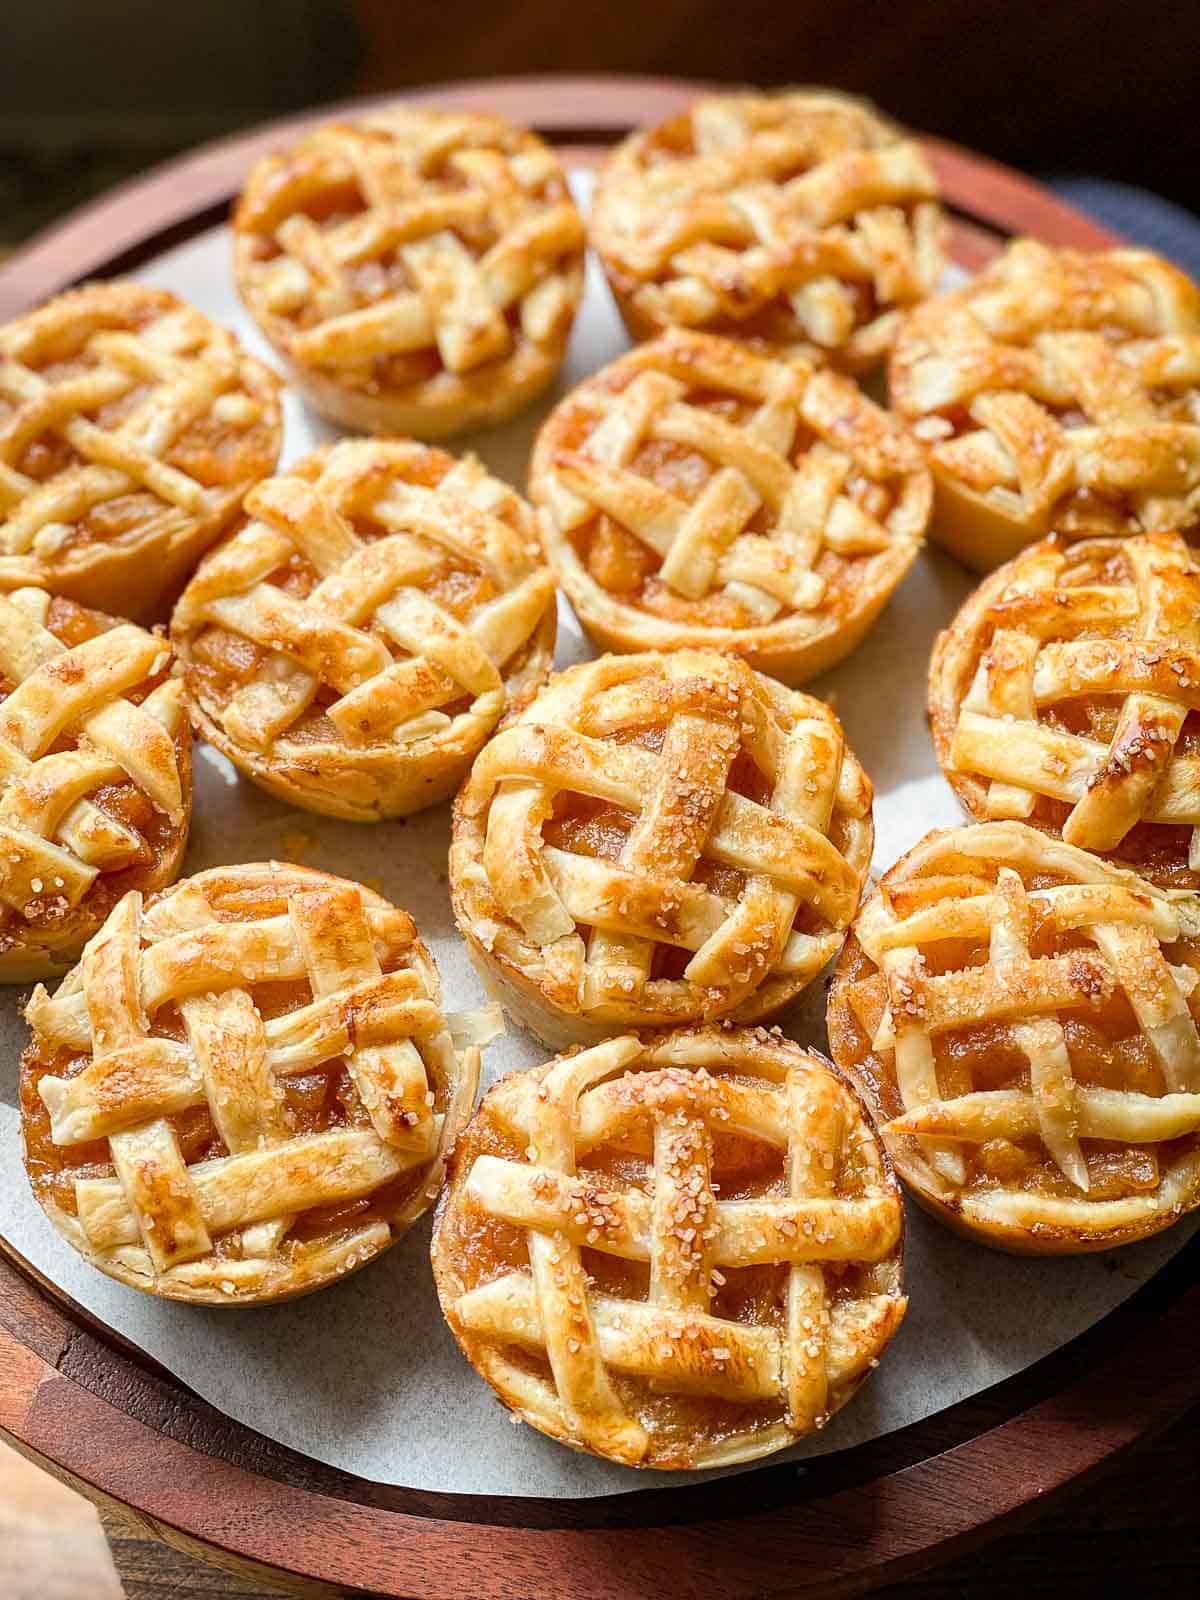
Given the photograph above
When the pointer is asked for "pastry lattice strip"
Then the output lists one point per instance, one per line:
(160, 1212)
(684, 812)
(730, 233)
(185, 372)
(453, 300)
(1124, 925)
(54, 840)
(1143, 643)
(707, 545)
(686, 1235)
(392, 655)
(1056, 402)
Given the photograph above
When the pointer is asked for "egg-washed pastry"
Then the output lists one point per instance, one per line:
(354, 643)
(419, 270)
(658, 839)
(1057, 392)
(130, 428)
(699, 494)
(247, 1088)
(1066, 693)
(95, 775)
(678, 1252)
(798, 217)
(1020, 1017)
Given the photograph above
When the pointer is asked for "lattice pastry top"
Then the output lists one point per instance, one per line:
(684, 1252)
(1057, 392)
(352, 646)
(1020, 1016)
(420, 269)
(1067, 692)
(247, 1087)
(95, 775)
(130, 428)
(699, 493)
(798, 217)
(659, 839)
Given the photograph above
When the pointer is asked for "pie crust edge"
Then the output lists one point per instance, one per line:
(843, 1031)
(460, 1102)
(721, 1037)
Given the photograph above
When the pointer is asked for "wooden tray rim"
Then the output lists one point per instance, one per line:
(101, 1412)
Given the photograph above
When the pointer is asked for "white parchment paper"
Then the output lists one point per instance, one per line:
(365, 1375)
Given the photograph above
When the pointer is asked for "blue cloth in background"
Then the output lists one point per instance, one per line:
(1141, 217)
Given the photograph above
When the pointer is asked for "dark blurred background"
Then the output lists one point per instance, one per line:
(92, 91)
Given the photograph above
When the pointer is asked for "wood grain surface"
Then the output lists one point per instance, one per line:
(51, 1544)
(1138, 1522)
(106, 1418)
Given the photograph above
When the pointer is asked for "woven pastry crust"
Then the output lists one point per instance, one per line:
(700, 494)
(1020, 1017)
(799, 218)
(1066, 693)
(658, 839)
(247, 1088)
(420, 270)
(1056, 392)
(354, 643)
(680, 1252)
(95, 775)
(130, 428)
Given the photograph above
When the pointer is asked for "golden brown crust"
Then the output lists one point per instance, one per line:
(1064, 694)
(132, 427)
(96, 793)
(801, 218)
(247, 1088)
(1057, 392)
(1020, 1017)
(354, 643)
(699, 494)
(658, 839)
(680, 1251)
(420, 270)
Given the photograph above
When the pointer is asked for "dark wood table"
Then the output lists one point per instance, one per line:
(1137, 1524)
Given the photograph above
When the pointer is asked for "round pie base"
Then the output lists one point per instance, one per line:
(137, 576)
(774, 650)
(952, 665)
(527, 1004)
(1179, 1194)
(138, 573)
(386, 782)
(799, 645)
(713, 1440)
(450, 404)
(974, 528)
(456, 1094)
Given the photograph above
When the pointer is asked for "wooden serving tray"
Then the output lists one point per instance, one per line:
(80, 1400)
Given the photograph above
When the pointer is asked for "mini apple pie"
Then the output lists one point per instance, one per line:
(1067, 692)
(698, 493)
(247, 1087)
(1020, 1016)
(420, 270)
(95, 775)
(130, 428)
(658, 839)
(798, 218)
(352, 646)
(682, 1252)
(1057, 392)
